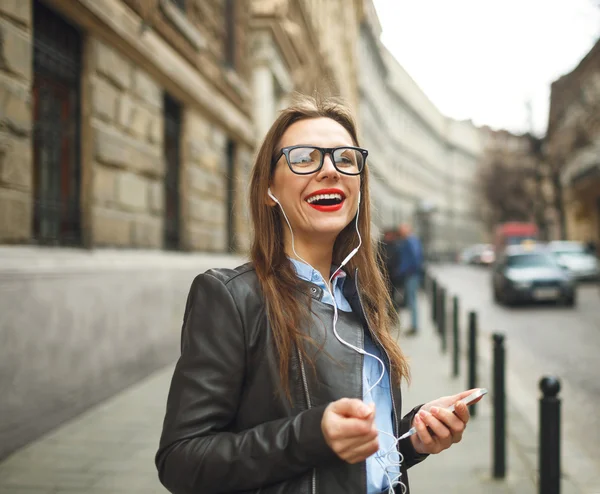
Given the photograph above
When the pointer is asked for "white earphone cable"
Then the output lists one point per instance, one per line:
(390, 465)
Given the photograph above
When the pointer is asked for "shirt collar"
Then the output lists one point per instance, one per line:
(307, 273)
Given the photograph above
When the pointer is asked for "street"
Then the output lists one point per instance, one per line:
(542, 340)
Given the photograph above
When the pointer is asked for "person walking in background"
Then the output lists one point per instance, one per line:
(408, 269)
(389, 259)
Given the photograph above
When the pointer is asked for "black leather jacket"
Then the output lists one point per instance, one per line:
(229, 427)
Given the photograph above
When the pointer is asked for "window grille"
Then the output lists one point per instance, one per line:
(56, 129)
(172, 143)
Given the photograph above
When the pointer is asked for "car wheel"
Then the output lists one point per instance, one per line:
(508, 300)
(570, 301)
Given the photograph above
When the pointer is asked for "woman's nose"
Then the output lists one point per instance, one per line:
(328, 170)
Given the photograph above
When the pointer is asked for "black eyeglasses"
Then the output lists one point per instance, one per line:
(304, 160)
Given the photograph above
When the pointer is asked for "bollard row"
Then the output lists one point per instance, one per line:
(549, 406)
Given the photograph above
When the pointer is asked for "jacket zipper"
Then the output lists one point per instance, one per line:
(384, 351)
(361, 340)
(309, 405)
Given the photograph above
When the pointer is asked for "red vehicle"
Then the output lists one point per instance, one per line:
(514, 233)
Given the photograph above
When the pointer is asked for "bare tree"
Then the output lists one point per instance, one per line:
(541, 176)
(505, 193)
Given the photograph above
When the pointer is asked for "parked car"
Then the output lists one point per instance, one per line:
(532, 274)
(478, 254)
(577, 259)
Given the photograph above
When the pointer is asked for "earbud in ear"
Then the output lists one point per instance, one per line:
(359, 197)
(272, 196)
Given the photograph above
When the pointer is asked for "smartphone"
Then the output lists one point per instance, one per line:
(474, 396)
(468, 400)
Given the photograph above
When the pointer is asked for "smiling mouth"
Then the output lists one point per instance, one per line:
(325, 199)
(326, 202)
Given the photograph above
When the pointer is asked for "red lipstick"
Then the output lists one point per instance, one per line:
(326, 208)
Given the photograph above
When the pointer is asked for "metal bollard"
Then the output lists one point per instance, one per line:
(442, 320)
(438, 310)
(472, 377)
(455, 338)
(434, 297)
(549, 453)
(499, 408)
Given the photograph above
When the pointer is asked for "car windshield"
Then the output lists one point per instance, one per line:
(531, 261)
(519, 239)
(570, 250)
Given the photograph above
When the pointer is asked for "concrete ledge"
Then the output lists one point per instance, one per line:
(78, 326)
(44, 261)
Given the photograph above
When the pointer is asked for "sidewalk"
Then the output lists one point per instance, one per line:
(110, 449)
(107, 450)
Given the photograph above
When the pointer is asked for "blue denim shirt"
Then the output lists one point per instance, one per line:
(380, 395)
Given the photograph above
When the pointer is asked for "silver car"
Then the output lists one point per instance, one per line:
(575, 257)
(532, 274)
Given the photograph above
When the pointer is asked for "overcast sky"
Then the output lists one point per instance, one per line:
(483, 59)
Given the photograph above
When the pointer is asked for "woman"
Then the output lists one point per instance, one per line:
(279, 387)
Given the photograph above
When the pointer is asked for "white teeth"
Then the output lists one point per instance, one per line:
(319, 197)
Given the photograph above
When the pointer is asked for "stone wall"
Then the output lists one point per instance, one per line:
(244, 162)
(16, 61)
(204, 211)
(128, 156)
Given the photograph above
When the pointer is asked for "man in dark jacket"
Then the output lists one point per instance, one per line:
(408, 268)
(388, 249)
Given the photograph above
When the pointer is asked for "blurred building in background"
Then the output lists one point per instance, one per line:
(423, 165)
(573, 147)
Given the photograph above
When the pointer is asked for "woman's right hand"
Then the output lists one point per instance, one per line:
(349, 429)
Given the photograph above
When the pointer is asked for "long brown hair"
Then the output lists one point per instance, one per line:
(275, 272)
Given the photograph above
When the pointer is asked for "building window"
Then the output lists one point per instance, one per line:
(172, 150)
(56, 129)
(230, 38)
(231, 157)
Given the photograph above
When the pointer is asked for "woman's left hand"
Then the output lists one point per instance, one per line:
(437, 427)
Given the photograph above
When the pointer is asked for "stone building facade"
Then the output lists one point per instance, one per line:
(296, 47)
(573, 146)
(423, 164)
(127, 133)
(148, 121)
(15, 119)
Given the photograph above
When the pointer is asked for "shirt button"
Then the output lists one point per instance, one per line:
(313, 290)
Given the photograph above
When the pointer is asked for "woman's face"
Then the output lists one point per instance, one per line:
(311, 215)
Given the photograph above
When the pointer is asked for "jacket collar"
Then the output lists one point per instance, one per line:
(351, 292)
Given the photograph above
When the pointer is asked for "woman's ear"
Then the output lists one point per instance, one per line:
(271, 200)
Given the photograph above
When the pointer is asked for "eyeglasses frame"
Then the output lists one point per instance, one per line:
(324, 152)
